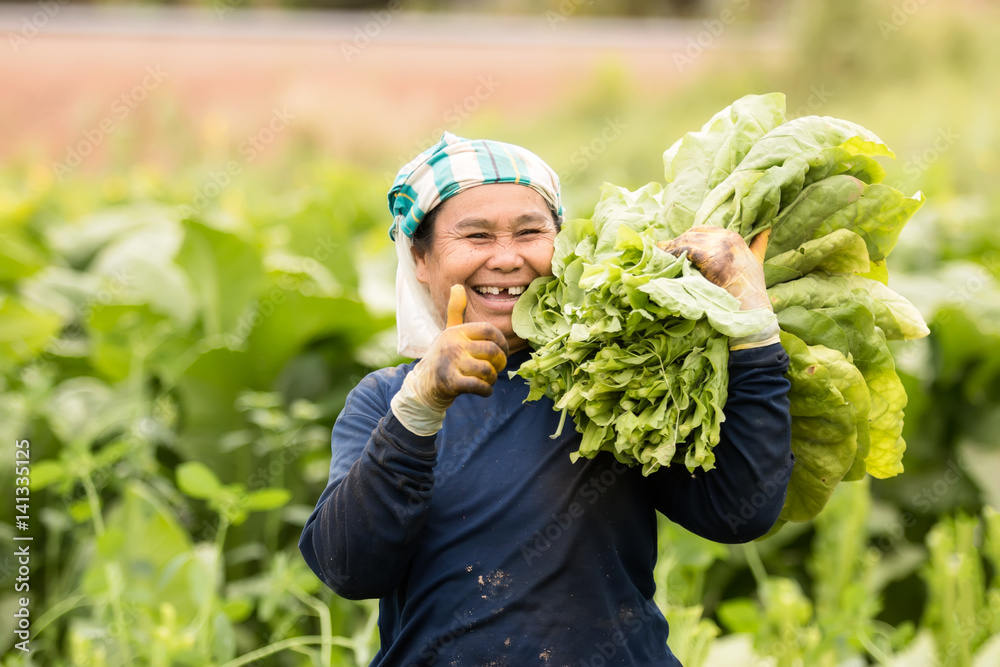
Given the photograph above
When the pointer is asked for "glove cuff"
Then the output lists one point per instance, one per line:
(418, 417)
(769, 335)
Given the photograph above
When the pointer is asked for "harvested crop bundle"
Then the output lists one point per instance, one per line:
(631, 342)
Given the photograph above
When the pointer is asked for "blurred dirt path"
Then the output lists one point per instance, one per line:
(72, 75)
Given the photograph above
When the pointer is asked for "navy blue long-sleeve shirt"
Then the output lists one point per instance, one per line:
(487, 546)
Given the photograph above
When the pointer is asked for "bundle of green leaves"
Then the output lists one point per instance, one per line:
(631, 342)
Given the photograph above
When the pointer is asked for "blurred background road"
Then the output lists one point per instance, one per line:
(356, 81)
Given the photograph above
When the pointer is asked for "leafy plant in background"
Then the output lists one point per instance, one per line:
(177, 377)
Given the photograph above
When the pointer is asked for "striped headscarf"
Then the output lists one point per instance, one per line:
(454, 165)
(449, 167)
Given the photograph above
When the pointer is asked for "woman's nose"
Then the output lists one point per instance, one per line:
(506, 256)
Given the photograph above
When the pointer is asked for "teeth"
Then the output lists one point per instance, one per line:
(489, 289)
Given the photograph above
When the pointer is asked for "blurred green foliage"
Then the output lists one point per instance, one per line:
(176, 342)
(178, 380)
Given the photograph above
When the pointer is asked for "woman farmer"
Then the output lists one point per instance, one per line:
(448, 500)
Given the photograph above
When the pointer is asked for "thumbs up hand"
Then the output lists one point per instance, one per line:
(464, 359)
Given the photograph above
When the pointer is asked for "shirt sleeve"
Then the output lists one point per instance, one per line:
(740, 499)
(361, 535)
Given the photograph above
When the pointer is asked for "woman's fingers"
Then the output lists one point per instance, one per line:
(487, 350)
(477, 369)
(466, 358)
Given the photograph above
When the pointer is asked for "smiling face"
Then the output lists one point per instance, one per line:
(493, 240)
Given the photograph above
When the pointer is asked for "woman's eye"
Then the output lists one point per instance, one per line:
(477, 235)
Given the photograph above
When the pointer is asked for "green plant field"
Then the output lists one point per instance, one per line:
(175, 347)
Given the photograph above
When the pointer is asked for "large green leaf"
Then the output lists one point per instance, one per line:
(264, 500)
(208, 388)
(781, 163)
(828, 311)
(894, 315)
(138, 268)
(814, 328)
(197, 480)
(797, 222)
(124, 338)
(827, 404)
(877, 213)
(871, 356)
(841, 251)
(79, 240)
(226, 274)
(692, 297)
(287, 324)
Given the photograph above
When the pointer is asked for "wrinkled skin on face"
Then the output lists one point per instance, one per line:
(493, 240)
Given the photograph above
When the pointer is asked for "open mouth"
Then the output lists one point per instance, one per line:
(494, 293)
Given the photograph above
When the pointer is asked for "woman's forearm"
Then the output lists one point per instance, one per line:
(360, 539)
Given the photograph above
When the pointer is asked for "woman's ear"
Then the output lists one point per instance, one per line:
(420, 260)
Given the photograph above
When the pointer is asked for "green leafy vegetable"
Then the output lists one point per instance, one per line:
(630, 341)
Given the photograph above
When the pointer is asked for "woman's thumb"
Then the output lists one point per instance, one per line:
(456, 306)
